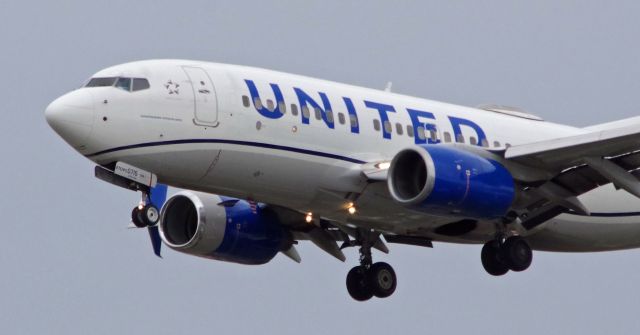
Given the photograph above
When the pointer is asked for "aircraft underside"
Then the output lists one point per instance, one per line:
(306, 218)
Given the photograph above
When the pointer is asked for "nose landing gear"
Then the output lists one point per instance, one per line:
(145, 214)
(499, 257)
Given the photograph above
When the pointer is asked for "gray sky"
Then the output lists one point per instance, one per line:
(69, 266)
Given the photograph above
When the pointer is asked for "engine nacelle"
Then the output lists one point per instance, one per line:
(220, 228)
(448, 181)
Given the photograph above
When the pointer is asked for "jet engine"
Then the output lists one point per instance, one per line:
(220, 228)
(448, 181)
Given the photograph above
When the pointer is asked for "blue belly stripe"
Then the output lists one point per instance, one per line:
(243, 143)
(607, 215)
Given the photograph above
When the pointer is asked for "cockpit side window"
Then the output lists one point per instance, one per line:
(101, 82)
(124, 83)
(139, 84)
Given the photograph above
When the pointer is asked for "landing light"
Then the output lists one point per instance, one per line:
(383, 165)
(309, 217)
(351, 208)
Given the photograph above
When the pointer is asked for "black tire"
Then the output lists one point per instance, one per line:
(136, 218)
(382, 279)
(357, 284)
(517, 253)
(492, 259)
(150, 215)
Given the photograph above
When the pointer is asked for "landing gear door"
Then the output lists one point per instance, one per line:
(205, 103)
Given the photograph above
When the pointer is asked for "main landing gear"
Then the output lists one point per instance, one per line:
(501, 255)
(145, 214)
(370, 279)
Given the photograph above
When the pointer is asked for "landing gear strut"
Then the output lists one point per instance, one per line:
(145, 214)
(370, 279)
(498, 257)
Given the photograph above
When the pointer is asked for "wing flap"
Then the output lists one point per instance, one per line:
(579, 163)
(584, 178)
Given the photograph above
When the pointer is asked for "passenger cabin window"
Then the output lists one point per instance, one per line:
(472, 140)
(353, 120)
(245, 101)
(410, 130)
(496, 144)
(460, 138)
(318, 113)
(341, 118)
(376, 124)
(421, 134)
(399, 128)
(270, 106)
(387, 127)
(257, 102)
(447, 137)
(329, 116)
(283, 107)
(485, 143)
(294, 109)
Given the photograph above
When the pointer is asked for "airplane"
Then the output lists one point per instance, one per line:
(261, 160)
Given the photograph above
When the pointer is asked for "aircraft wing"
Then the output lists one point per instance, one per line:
(622, 170)
(561, 153)
(582, 162)
(570, 166)
(609, 153)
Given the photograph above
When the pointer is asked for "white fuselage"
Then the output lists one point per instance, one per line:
(198, 126)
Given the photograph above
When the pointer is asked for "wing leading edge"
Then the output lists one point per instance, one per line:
(565, 152)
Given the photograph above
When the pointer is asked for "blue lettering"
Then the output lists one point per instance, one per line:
(259, 104)
(304, 99)
(353, 116)
(415, 116)
(382, 110)
(457, 122)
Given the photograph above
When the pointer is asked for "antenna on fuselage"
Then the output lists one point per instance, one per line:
(388, 87)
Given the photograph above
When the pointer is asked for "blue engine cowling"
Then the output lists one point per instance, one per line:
(448, 181)
(221, 228)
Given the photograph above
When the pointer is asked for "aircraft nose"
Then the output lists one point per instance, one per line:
(72, 116)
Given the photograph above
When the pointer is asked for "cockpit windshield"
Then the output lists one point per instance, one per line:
(123, 83)
(101, 82)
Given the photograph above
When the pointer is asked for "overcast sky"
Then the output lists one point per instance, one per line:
(68, 265)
